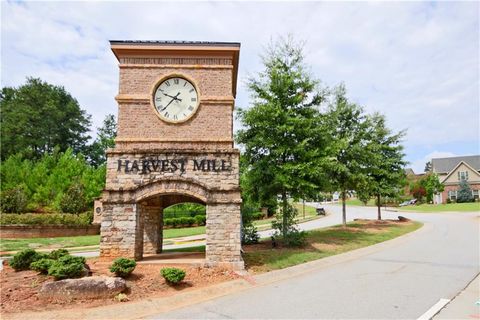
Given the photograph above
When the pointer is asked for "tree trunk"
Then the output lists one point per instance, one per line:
(284, 215)
(344, 208)
(379, 207)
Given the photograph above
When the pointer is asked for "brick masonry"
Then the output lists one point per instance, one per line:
(156, 164)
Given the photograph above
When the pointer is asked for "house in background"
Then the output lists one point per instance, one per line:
(452, 170)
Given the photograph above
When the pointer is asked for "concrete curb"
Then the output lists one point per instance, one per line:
(151, 306)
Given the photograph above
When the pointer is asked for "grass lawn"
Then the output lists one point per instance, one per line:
(323, 243)
(463, 207)
(48, 243)
(356, 202)
(310, 214)
(183, 232)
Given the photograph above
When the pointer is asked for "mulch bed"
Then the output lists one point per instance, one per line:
(19, 290)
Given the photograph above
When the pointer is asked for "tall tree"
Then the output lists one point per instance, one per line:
(432, 185)
(37, 117)
(385, 175)
(105, 139)
(281, 132)
(347, 126)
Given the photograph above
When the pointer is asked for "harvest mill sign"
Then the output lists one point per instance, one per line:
(156, 164)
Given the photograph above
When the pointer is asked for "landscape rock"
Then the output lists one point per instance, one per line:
(88, 287)
(403, 219)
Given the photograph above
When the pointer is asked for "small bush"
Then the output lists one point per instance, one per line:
(167, 222)
(257, 215)
(67, 267)
(123, 267)
(13, 200)
(23, 259)
(200, 219)
(73, 200)
(57, 254)
(173, 275)
(249, 234)
(296, 238)
(42, 265)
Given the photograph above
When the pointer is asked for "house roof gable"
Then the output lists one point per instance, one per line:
(456, 167)
(447, 165)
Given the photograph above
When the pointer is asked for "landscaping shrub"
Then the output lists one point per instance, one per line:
(200, 220)
(295, 238)
(23, 259)
(42, 265)
(73, 200)
(123, 267)
(83, 219)
(13, 200)
(173, 275)
(167, 222)
(67, 267)
(249, 234)
(257, 215)
(57, 254)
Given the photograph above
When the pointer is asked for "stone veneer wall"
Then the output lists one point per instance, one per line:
(34, 231)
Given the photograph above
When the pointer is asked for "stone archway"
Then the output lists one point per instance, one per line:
(132, 222)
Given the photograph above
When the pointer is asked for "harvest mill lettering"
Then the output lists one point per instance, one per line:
(148, 165)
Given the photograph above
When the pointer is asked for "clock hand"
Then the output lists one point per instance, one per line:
(173, 98)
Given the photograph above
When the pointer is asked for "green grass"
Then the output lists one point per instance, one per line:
(462, 207)
(183, 232)
(310, 214)
(48, 243)
(189, 249)
(356, 202)
(323, 243)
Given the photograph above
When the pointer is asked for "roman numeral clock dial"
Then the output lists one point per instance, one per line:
(175, 99)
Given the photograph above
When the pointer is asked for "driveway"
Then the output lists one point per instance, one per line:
(403, 280)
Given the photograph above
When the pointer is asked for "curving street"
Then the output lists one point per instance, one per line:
(402, 279)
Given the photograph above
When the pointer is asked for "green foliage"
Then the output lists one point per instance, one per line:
(464, 193)
(83, 219)
(173, 275)
(13, 200)
(73, 200)
(37, 117)
(123, 267)
(184, 210)
(23, 259)
(249, 231)
(283, 135)
(67, 267)
(291, 236)
(47, 180)
(105, 139)
(57, 254)
(42, 265)
(200, 220)
(432, 185)
(347, 131)
(384, 174)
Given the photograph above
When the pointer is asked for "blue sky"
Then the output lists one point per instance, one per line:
(415, 62)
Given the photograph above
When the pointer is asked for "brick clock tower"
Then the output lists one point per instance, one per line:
(174, 144)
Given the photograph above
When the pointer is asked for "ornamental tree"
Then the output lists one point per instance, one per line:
(384, 171)
(347, 130)
(283, 135)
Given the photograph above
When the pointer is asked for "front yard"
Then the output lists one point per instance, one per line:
(448, 207)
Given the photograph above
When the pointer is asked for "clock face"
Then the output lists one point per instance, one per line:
(175, 99)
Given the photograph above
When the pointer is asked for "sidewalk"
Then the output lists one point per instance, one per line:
(466, 305)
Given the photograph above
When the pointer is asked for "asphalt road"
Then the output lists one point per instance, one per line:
(402, 281)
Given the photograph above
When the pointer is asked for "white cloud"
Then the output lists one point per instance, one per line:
(418, 165)
(416, 62)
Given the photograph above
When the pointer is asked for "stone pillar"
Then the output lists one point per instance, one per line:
(121, 231)
(160, 231)
(223, 235)
(152, 236)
